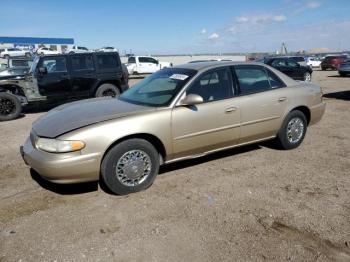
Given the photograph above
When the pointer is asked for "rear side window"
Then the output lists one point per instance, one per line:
(252, 79)
(274, 80)
(107, 61)
(82, 62)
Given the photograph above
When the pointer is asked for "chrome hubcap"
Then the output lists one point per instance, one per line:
(133, 168)
(295, 130)
(307, 77)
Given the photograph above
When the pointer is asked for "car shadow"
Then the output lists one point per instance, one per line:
(338, 76)
(211, 157)
(81, 188)
(64, 189)
(342, 95)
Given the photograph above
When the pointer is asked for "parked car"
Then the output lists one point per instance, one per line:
(299, 59)
(107, 49)
(291, 68)
(58, 78)
(15, 72)
(19, 62)
(177, 113)
(14, 52)
(344, 68)
(145, 64)
(77, 49)
(46, 51)
(313, 61)
(332, 62)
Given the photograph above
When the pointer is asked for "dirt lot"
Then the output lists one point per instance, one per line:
(255, 203)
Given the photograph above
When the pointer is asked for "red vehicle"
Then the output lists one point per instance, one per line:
(333, 62)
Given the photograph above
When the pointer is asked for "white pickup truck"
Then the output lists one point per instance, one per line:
(145, 65)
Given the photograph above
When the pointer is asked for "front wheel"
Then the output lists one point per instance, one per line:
(130, 166)
(10, 107)
(293, 130)
(307, 77)
(107, 90)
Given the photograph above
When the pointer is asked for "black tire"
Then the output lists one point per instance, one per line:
(307, 76)
(342, 74)
(6, 57)
(282, 137)
(110, 162)
(10, 107)
(107, 90)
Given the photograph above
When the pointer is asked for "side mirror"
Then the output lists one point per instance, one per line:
(43, 70)
(191, 100)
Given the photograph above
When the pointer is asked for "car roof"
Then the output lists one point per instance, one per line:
(212, 64)
(85, 53)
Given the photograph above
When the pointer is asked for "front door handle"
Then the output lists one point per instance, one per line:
(231, 109)
(281, 99)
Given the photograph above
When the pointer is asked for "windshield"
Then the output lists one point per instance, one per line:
(160, 88)
(34, 64)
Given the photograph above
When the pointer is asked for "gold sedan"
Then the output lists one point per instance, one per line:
(177, 113)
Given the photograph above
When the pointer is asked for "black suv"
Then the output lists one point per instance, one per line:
(290, 67)
(57, 78)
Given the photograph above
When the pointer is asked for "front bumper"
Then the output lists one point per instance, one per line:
(65, 168)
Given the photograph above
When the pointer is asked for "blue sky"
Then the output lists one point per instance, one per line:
(184, 26)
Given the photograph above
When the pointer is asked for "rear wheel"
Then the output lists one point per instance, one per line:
(293, 130)
(307, 77)
(107, 90)
(130, 166)
(10, 107)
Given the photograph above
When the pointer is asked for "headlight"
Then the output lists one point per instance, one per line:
(59, 146)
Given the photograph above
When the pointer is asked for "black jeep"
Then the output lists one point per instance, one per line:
(58, 78)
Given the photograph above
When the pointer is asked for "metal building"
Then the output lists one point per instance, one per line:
(33, 43)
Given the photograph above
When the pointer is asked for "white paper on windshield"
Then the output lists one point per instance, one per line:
(178, 77)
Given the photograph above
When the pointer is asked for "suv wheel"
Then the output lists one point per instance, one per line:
(130, 166)
(6, 57)
(107, 90)
(10, 106)
(293, 130)
(307, 77)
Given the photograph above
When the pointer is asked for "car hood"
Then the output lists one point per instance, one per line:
(82, 113)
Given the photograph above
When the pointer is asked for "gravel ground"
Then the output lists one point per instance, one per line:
(254, 203)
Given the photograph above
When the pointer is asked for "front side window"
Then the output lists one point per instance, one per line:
(279, 63)
(55, 64)
(143, 60)
(291, 63)
(107, 61)
(212, 86)
(131, 60)
(252, 79)
(82, 62)
(160, 88)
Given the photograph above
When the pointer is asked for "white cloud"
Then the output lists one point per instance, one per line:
(313, 5)
(261, 18)
(203, 31)
(213, 36)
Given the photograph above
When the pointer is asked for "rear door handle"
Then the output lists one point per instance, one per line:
(281, 99)
(231, 109)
